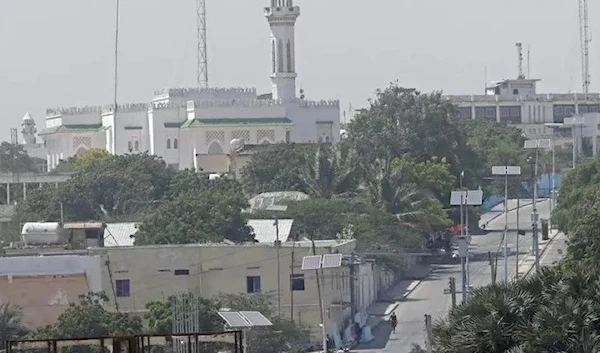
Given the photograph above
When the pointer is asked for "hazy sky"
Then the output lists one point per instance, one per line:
(60, 52)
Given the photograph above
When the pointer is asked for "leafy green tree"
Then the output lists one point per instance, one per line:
(85, 160)
(159, 317)
(197, 211)
(11, 325)
(277, 168)
(402, 120)
(284, 335)
(14, 158)
(89, 318)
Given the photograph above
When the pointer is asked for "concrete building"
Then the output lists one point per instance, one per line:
(516, 102)
(132, 276)
(193, 128)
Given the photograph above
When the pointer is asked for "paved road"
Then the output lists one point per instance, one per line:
(429, 297)
(543, 208)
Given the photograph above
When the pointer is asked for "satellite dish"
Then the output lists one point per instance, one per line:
(236, 145)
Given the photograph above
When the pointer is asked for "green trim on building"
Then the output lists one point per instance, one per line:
(72, 129)
(173, 125)
(236, 121)
(328, 122)
(133, 128)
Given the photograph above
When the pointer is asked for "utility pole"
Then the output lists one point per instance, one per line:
(428, 334)
(352, 287)
(116, 107)
(494, 268)
(453, 291)
(518, 233)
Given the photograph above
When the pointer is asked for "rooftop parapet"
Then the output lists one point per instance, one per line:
(74, 110)
(319, 104)
(208, 92)
(547, 97)
(127, 108)
(243, 103)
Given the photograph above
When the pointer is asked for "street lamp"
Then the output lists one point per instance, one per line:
(277, 208)
(506, 170)
(536, 145)
(553, 126)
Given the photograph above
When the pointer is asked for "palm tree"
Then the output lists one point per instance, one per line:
(330, 173)
(11, 325)
(392, 187)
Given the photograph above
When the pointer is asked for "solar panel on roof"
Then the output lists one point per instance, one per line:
(256, 318)
(332, 261)
(311, 262)
(234, 319)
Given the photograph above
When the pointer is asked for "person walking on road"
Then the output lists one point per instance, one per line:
(393, 322)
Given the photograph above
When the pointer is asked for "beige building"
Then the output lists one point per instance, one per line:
(132, 276)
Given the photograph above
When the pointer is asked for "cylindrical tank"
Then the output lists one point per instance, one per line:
(46, 233)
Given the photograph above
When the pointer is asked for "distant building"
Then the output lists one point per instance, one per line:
(194, 128)
(515, 102)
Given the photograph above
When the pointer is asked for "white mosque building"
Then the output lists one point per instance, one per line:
(193, 128)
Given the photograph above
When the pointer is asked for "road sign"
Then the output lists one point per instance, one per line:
(467, 197)
(506, 170)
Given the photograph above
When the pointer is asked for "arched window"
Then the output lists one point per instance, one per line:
(280, 56)
(175, 144)
(273, 51)
(168, 144)
(290, 67)
(320, 140)
(288, 136)
(327, 139)
(129, 146)
(137, 145)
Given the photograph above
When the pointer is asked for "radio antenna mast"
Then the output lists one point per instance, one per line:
(520, 58)
(202, 59)
(584, 32)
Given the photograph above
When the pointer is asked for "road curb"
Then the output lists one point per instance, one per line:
(394, 306)
(501, 213)
(542, 251)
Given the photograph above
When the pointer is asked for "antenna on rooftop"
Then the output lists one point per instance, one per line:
(528, 61)
(116, 106)
(202, 57)
(519, 46)
(585, 37)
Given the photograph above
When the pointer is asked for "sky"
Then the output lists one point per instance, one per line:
(61, 52)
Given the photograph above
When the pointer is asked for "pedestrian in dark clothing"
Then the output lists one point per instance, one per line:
(393, 321)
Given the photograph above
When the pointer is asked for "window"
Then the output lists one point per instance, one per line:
(479, 112)
(515, 91)
(280, 56)
(273, 56)
(182, 272)
(327, 139)
(129, 146)
(168, 144)
(289, 56)
(297, 281)
(490, 113)
(253, 284)
(175, 144)
(122, 288)
(137, 145)
(287, 136)
(464, 112)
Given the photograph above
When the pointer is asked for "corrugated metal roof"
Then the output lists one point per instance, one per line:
(265, 230)
(119, 234)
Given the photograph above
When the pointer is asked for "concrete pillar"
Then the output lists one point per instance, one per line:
(24, 191)
(8, 193)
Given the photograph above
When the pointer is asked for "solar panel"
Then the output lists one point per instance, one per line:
(234, 319)
(332, 261)
(256, 318)
(311, 262)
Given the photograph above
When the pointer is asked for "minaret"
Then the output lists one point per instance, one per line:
(282, 15)
(28, 129)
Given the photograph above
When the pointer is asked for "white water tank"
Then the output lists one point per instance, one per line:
(46, 233)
